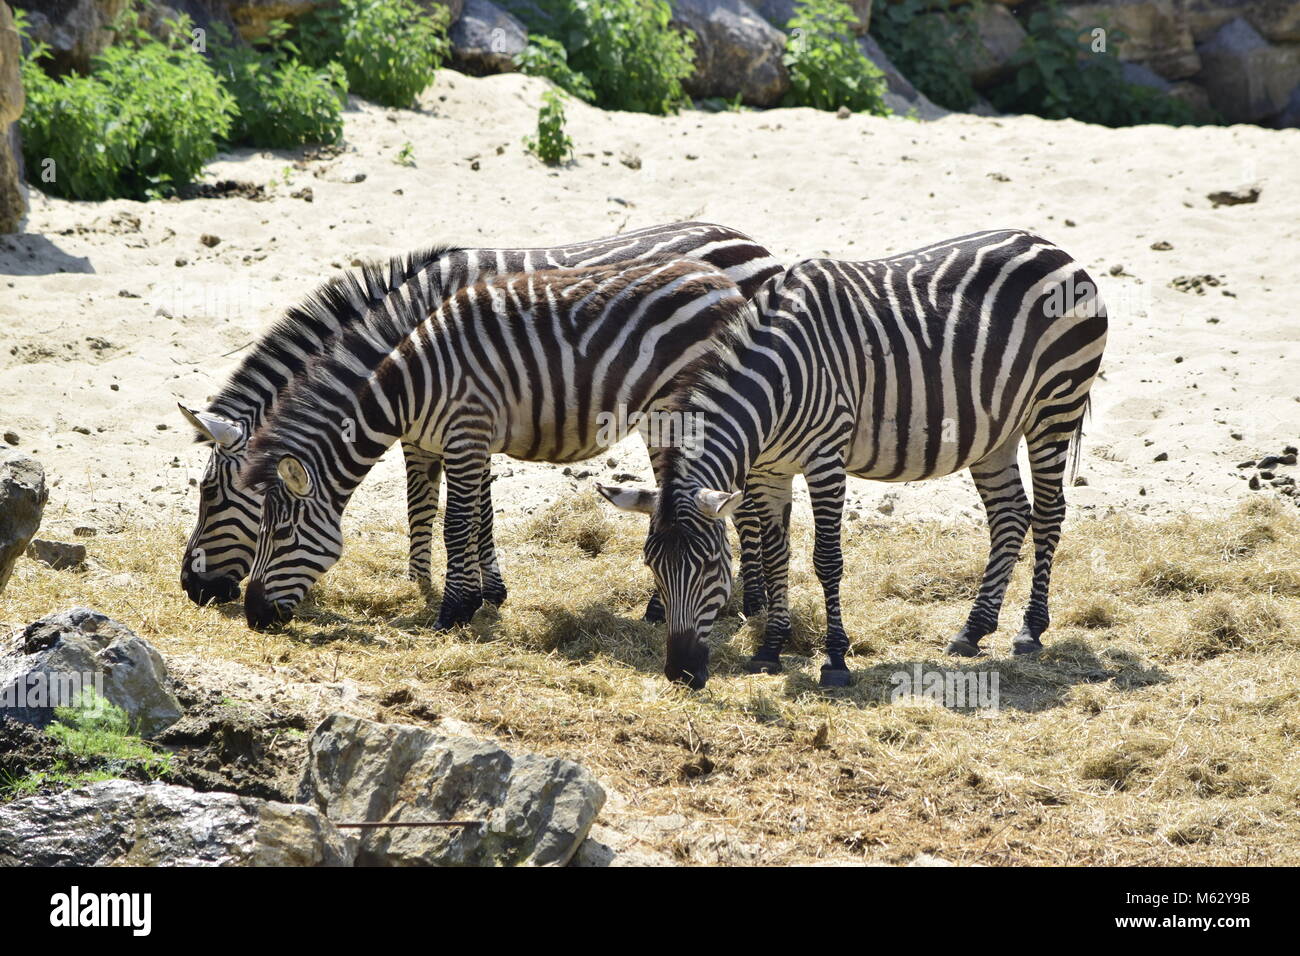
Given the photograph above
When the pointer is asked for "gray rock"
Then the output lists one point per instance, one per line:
(995, 38)
(1276, 20)
(1154, 32)
(59, 555)
(486, 39)
(606, 846)
(76, 30)
(779, 12)
(737, 52)
(900, 95)
(57, 656)
(1289, 118)
(120, 823)
(537, 809)
(1139, 75)
(1247, 78)
(22, 500)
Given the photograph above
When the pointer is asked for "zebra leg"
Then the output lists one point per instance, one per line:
(826, 488)
(494, 586)
(423, 473)
(749, 533)
(772, 502)
(997, 477)
(1048, 451)
(462, 593)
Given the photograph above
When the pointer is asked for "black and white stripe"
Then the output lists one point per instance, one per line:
(897, 369)
(525, 364)
(220, 549)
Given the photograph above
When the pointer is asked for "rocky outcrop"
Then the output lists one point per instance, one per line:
(119, 823)
(76, 30)
(900, 95)
(486, 39)
(57, 657)
(22, 501)
(995, 37)
(1247, 78)
(1276, 20)
(779, 12)
(13, 194)
(536, 810)
(1155, 32)
(737, 52)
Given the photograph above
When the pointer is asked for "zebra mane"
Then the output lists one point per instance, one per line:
(307, 331)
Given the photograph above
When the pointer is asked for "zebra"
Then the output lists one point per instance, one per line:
(526, 364)
(220, 549)
(896, 369)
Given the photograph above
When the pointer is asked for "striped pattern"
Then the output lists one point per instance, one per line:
(220, 549)
(898, 369)
(526, 364)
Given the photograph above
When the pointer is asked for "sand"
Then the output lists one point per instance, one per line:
(112, 312)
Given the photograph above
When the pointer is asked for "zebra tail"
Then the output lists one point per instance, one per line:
(1076, 439)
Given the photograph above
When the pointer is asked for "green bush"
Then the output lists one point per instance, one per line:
(545, 56)
(390, 49)
(551, 144)
(630, 56)
(927, 41)
(281, 102)
(141, 124)
(1057, 76)
(827, 69)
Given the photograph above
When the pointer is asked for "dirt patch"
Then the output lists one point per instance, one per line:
(225, 189)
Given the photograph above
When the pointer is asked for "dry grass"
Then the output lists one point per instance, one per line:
(1160, 725)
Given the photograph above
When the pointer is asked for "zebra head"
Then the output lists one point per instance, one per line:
(300, 539)
(688, 553)
(220, 549)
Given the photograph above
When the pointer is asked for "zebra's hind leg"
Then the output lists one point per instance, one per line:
(826, 489)
(494, 586)
(772, 502)
(749, 533)
(1048, 450)
(997, 477)
(423, 473)
(462, 593)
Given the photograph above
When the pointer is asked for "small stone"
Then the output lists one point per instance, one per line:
(11, 438)
(626, 476)
(1248, 463)
(1288, 459)
(181, 261)
(1283, 482)
(1291, 450)
(85, 531)
(1080, 481)
(1235, 436)
(306, 195)
(1117, 269)
(1268, 461)
(630, 161)
(1254, 483)
(58, 555)
(209, 240)
(1266, 475)
(81, 429)
(843, 113)
(1234, 197)
(1161, 246)
(1163, 456)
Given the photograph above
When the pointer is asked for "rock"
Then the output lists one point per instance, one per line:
(76, 30)
(59, 555)
(22, 501)
(1139, 75)
(254, 17)
(1247, 78)
(1154, 32)
(57, 656)
(779, 12)
(1234, 197)
(737, 53)
(606, 846)
(1276, 20)
(486, 39)
(120, 823)
(1194, 95)
(900, 95)
(13, 189)
(1289, 117)
(538, 809)
(996, 37)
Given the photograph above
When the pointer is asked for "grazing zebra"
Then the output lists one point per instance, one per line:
(896, 369)
(526, 364)
(220, 549)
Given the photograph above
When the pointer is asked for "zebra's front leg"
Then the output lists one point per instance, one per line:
(462, 593)
(494, 586)
(997, 478)
(1047, 459)
(749, 533)
(772, 503)
(423, 473)
(826, 489)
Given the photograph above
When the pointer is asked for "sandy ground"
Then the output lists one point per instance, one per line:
(112, 312)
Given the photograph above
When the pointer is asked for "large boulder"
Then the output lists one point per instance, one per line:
(76, 30)
(779, 12)
(996, 36)
(1155, 32)
(486, 39)
(1246, 77)
(54, 659)
(13, 192)
(1276, 20)
(119, 823)
(537, 809)
(737, 52)
(1289, 118)
(900, 95)
(22, 500)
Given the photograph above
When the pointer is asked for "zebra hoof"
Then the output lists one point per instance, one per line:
(1025, 643)
(763, 665)
(495, 597)
(835, 677)
(960, 647)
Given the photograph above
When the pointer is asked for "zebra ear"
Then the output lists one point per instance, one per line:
(213, 428)
(294, 476)
(640, 500)
(718, 504)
